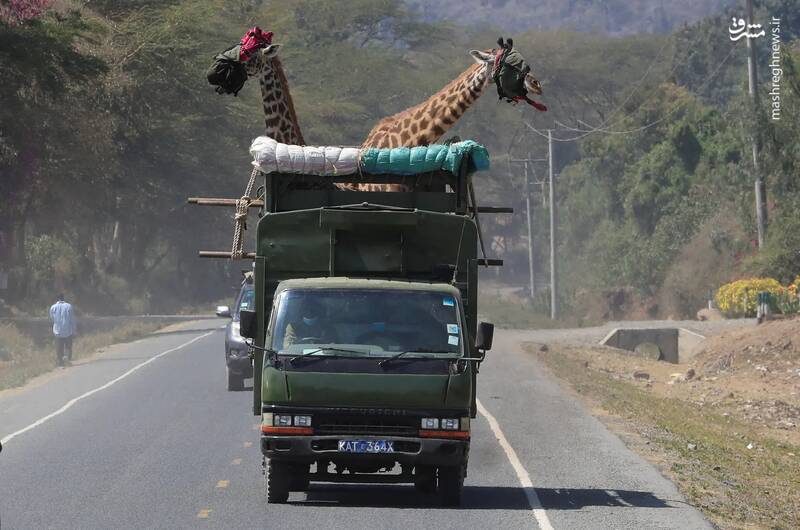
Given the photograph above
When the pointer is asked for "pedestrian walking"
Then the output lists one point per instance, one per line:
(63, 319)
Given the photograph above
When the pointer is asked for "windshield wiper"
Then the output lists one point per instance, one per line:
(270, 351)
(317, 350)
(418, 350)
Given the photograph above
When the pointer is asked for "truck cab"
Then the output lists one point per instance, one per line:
(365, 380)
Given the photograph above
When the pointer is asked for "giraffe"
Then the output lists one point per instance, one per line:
(427, 122)
(280, 117)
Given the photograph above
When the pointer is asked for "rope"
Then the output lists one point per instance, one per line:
(458, 253)
(240, 217)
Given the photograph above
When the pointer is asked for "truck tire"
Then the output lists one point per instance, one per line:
(235, 381)
(451, 484)
(276, 482)
(425, 479)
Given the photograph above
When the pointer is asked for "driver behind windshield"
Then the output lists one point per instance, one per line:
(309, 326)
(433, 328)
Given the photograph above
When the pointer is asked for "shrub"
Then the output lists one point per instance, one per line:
(51, 261)
(13, 344)
(740, 298)
(788, 301)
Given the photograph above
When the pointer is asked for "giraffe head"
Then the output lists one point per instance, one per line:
(489, 59)
(260, 63)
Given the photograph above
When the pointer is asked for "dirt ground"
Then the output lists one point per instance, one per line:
(725, 426)
(751, 373)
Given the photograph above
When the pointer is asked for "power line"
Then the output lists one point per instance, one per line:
(636, 87)
(593, 130)
(627, 98)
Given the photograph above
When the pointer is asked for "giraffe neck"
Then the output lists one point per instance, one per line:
(279, 114)
(425, 123)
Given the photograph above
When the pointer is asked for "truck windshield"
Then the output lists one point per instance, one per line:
(375, 322)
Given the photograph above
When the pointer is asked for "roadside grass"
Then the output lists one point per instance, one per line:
(506, 310)
(704, 452)
(21, 360)
(205, 308)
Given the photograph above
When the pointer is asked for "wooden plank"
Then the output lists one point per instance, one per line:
(495, 209)
(211, 201)
(224, 254)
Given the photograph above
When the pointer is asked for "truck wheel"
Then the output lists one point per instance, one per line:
(299, 479)
(451, 484)
(235, 381)
(425, 479)
(277, 482)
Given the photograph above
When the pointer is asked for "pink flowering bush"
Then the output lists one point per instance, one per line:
(20, 10)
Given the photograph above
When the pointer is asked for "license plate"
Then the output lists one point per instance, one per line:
(366, 446)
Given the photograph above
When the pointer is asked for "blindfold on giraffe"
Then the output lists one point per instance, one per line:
(231, 67)
(512, 76)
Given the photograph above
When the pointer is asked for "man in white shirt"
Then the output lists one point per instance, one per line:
(63, 329)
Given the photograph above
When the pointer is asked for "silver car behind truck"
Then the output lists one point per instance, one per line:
(238, 364)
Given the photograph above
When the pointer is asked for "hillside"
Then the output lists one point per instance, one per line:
(613, 17)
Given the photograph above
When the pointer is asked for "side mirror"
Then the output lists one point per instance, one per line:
(223, 311)
(248, 325)
(485, 336)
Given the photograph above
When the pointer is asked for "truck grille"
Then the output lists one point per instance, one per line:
(366, 425)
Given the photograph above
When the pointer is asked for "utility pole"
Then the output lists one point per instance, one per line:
(553, 221)
(530, 231)
(760, 188)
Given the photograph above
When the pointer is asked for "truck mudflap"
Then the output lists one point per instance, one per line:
(405, 450)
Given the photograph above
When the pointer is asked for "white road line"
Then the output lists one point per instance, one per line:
(524, 479)
(71, 402)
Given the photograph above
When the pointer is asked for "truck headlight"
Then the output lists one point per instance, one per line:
(430, 423)
(282, 420)
(302, 421)
(450, 424)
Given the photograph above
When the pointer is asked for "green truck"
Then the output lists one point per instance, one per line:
(365, 335)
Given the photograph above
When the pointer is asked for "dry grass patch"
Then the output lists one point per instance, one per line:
(21, 360)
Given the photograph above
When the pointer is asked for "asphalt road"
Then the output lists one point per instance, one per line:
(164, 445)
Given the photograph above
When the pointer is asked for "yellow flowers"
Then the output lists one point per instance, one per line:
(740, 298)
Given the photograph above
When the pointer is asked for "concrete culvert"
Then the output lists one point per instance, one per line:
(672, 345)
(649, 350)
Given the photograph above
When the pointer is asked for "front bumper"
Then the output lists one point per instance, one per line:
(240, 365)
(408, 450)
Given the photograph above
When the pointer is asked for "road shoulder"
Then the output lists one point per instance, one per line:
(41, 397)
(738, 476)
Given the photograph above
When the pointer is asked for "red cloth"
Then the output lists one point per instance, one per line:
(253, 40)
(497, 57)
(535, 104)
